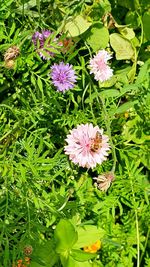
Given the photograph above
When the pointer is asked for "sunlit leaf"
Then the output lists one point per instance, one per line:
(122, 47)
(76, 26)
(65, 236)
(146, 23)
(97, 37)
(80, 255)
(87, 235)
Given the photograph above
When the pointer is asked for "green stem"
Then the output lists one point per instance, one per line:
(137, 225)
(147, 238)
(28, 211)
(108, 126)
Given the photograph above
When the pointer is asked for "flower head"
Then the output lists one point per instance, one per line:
(94, 247)
(87, 145)
(39, 40)
(104, 181)
(99, 66)
(63, 76)
(11, 53)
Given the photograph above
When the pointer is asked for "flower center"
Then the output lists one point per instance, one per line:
(61, 77)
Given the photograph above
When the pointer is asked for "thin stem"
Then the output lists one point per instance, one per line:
(146, 241)
(108, 126)
(28, 211)
(137, 225)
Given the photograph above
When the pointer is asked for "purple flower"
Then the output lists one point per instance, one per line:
(63, 76)
(39, 41)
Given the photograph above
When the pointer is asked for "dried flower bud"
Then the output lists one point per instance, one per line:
(28, 250)
(104, 181)
(9, 64)
(11, 53)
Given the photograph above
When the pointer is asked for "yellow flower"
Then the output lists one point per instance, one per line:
(94, 247)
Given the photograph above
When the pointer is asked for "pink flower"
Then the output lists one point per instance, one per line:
(87, 146)
(104, 181)
(99, 66)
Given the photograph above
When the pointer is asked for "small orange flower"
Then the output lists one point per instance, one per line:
(23, 263)
(94, 247)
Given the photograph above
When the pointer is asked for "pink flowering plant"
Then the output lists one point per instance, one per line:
(83, 148)
(74, 133)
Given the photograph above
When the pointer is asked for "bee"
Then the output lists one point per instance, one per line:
(96, 142)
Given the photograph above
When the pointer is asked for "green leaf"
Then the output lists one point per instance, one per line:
(76, 26)
(129, 88)
(5, 4)
(124, 107)
(133, 131)
(71, 262)
(128, 33)
(122, 47)
(146, 23)
(65, 236)
(97, 37)
(80, 255)
(109, 93)
(87, 235)
(132, 19)
(12, 29)
(33, 80)
(40, 84)
(44, 255)
(108, 83)
(143, 74)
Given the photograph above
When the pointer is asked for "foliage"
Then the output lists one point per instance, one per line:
(46, 201)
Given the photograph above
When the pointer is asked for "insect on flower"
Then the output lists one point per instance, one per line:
(87, 145)
(96, 142)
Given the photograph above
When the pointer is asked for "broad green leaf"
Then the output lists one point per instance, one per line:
(128, 33)
(71, 262)
(76, 26)
(109, 93)
(129, 88)
(88, 235)
(122, 47)
(80, 255)
(44, 255)
(124, 107)
(133, 131)
(97, 37)
(108, 83)
(143, 74)
(146, 23)
(65, 236)
(132, 19)
(128, 4)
